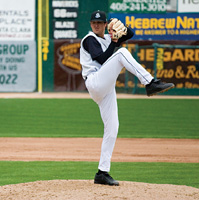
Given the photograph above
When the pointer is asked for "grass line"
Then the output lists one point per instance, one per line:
(13, 172)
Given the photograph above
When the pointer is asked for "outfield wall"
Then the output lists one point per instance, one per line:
(51, 30)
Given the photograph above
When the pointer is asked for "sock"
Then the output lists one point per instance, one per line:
(151, 82)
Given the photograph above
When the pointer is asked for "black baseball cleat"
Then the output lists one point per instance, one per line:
(156, 86)
(105, 179)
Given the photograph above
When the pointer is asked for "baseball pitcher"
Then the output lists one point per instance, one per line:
(100, 69)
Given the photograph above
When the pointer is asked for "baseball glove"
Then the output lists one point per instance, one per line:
(116, 28)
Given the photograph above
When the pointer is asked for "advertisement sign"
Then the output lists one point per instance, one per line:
(173, 65)
(67, 70)
(65, 13)
(17, 20)
(135, 6)
(170, 26)
(17, 66)
(190, 6)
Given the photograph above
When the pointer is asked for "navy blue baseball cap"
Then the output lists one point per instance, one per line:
(98, 16)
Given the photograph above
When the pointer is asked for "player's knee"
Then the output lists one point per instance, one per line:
(123, 50)
(115, 130)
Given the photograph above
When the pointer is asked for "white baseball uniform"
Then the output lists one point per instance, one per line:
(100, 82)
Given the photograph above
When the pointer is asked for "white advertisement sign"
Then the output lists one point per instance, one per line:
(188, 6)
(17, 19)
(17, 66)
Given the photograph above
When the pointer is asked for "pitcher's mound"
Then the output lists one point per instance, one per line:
(85, 190)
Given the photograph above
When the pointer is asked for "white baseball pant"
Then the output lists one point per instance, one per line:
(101, 87)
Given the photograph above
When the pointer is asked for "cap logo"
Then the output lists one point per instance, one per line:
(97, 15)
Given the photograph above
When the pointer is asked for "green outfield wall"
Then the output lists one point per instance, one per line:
(51, 30)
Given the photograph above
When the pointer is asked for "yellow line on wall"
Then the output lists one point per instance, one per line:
(39, 46)
(43, 23)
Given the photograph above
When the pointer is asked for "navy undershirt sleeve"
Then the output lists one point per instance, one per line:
(108, 53)
(93, 47)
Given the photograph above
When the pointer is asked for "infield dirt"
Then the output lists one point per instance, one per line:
(88, 149)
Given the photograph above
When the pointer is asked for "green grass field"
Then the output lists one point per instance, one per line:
(162, 173)
(139, 118)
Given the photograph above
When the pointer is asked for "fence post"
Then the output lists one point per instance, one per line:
(136, 58)
(155, 45)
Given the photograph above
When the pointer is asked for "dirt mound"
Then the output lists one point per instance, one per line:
(85, 190)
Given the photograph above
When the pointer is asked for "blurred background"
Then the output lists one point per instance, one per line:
(40, 41)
